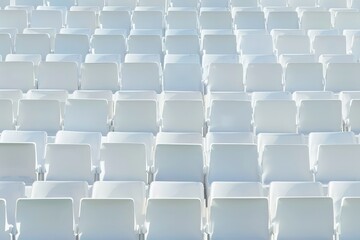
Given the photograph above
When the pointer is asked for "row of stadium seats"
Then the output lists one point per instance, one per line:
(80, 156)
(274, 112)
(125, 210)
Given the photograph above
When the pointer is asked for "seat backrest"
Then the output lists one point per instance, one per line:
(58, 75)
(108, 44)
(175, 116)
(329, 44)
(304, 77)
(100, 76)
(34, 43)
(315, 20)
(17, 75)
(39, 115)
(174, 218)
(38, 137)
(123, 189)
(124, 162)
(109, 19)
(36, 218)
(292, 44)
(56, 189)
(7, 112)
(324, 138)
(256, 44)
(91, 138)
(148, 78)
(338, 190)
(93, 212)
(219, 44)
(282, 20)
(305, 217)
(335, 80)
(136, 116)
(58, 158)
(220, 19)
(179, 162)
(179, 19)
(263, 77)
(149, 19)
(350, 209)
(88, 115)
(46, 19)
(72, 43)
(264, 139)
(145, 44)
(14, 19)
(285, 163)
(225, 77)
(249, 20)
(292, 189)
(346, 20)
(276, 116)
(182, 77)
(182, 44)
(319, 116)
(233, 162)
(338, 163)
(223, 118)
(81, 19)
(239, 217)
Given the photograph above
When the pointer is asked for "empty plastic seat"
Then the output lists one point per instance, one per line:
(337, 163)
(223, 118)
(81, 19)
(94, 211)
(17, 75)
(149, 19)
(181, 19)
(272, 3)
(342, 77)
(219, 44)
(239, 217)
(306, 217)
(304, 77)
(136, 116)
(58, 158)
(346, 97)
(298, 96)
(346, 20)
(285, 163)
(225, 77)
(46, 19)
(228, 138)
(7, 120)
(187, 43)
(284, 59)
(10, 192)
(130, 190)
(215, 19)
(182, 77)
(178, 162)
(91, 138)
(263, 77)
(87, 3)
(140, 76)
(233, 163)
(99, 76)
(88, 115)
(339, 191)
(13, 19)
(292, 44)
(115, 20)
(18, 162)
(349, 215)
(277, 116)
(292, 189)
(175, 112)
(124, 162)
(60, 227)
(332, 3)
(39, 115)
(249, 20)
(38, 137)
(6, 44)
(282, 20)
(329, 45)
(182, 216)
(145, 44)
(72, 44)
(108, 44)
(264, 139)
(315, 20)
(76, 190)
(58, 75)
(325, 138)
(319, 116)
(256, 44)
